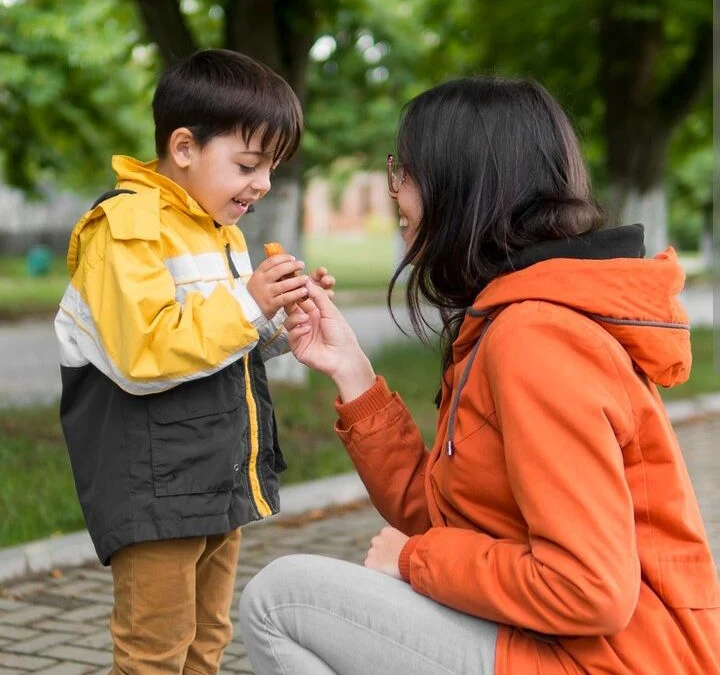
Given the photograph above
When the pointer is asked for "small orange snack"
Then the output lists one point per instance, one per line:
(273, 248)
(276, 248)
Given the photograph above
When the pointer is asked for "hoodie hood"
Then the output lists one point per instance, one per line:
(604, 276)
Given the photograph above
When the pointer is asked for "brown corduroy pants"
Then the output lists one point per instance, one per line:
(172, 605)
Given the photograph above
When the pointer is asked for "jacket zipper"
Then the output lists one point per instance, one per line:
(231, 264)
(261, 505)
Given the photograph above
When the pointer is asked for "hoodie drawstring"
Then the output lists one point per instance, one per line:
(450, 446)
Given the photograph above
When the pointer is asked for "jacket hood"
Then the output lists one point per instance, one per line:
(604, 276)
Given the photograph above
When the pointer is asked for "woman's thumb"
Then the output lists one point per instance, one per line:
(319, 297)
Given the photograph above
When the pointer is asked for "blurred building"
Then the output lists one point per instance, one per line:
(363, 205)
(46, 220)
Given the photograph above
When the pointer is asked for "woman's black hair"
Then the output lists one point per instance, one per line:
(218, 91)
(498, 169)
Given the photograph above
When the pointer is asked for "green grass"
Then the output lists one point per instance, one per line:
(37, 497)
(357, 261)
(705, 375)
(22, 295)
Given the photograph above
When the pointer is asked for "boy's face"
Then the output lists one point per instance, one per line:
(226, 175)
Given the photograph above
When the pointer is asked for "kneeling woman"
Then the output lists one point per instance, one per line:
(552, 528)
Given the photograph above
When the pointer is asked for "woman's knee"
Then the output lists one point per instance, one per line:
(278, 583)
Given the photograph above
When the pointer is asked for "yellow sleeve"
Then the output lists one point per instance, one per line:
(120, 313)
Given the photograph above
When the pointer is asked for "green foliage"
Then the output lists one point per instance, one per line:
(76, 77)
(356, 91)
(71, 91)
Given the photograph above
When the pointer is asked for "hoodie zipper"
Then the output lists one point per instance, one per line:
(450, 445)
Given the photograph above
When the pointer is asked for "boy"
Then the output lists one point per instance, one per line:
(163, 332)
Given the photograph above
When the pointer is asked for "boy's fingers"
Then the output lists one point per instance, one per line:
(290, 297)
(285, 268)
(285, 285)
(274, 260)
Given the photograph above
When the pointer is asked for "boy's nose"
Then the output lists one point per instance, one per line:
(262, 182)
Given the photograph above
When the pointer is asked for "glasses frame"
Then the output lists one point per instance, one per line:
(395, 174)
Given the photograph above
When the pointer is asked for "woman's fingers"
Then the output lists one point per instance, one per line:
(320, 297)
(297, 318)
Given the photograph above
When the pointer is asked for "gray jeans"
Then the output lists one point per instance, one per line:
(311, 615)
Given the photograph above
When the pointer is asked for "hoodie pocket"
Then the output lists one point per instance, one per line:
(198, 435)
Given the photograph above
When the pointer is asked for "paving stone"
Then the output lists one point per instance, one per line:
(9, 605)
(65, 669)
(66, 626)
(237, 666)
(24, 588)
(37, 644)
(23, 661)
(98, 640)
(78, 588)
(16, 632)
(87, 613)
(28, 614)
(94, 657)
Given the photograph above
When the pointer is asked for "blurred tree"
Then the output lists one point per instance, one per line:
(71, 91)
(630, 72)
(76, 80)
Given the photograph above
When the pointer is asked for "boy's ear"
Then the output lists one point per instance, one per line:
(180, 146)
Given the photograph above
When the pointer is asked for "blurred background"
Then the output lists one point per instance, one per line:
(76, 83)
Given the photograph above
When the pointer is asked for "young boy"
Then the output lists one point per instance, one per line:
(163, 332)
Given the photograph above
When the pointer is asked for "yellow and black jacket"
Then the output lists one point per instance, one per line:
(165, 406)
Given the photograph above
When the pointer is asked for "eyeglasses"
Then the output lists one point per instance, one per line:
(396, 174)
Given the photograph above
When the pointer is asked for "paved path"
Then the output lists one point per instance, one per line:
(28, 355)
(57, 624)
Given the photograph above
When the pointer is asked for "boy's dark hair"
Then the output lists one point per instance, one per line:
(218, 91)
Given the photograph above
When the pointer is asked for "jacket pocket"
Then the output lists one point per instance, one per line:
(198, 435)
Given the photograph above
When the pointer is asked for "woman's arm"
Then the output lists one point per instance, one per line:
(380, 436)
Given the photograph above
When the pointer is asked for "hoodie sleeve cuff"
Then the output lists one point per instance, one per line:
(365, 405)
(407, 551)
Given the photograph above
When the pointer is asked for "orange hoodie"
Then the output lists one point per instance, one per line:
(555, 500)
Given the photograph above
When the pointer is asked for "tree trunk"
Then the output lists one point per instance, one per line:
(640, 117)
(648, 207)
(706, 238)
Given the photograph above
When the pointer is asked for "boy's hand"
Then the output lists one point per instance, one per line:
(269, 287)
(321, 277)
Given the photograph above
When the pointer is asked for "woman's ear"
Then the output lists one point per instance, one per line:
(180, 147)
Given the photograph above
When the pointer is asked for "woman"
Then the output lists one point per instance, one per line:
(552, 528)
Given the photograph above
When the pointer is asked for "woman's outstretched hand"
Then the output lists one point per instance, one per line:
(320, 337)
